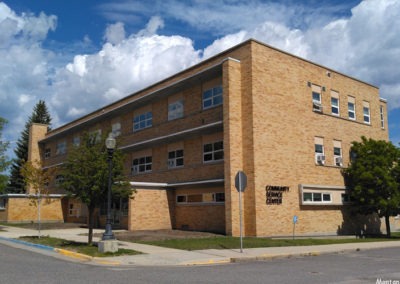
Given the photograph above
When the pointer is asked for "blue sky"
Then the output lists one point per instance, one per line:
(80, 55)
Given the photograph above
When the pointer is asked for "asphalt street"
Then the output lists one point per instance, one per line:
(28, 266)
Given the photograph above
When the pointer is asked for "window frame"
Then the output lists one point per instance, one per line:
(213, 95)
(382, 116)
(213, 151)
(61, 148)
(316, 200)
(175, 110)
(335, 107)
(145, 163)
(116, 129)
(47, 153)
(193, 198)
(335, 155)
(175, 156)
(366, 116)
(142, 121)
(318, 153)
(351, 112)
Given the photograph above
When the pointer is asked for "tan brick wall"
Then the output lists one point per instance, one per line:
(151, 209)
(284, 128)
(21, 210)
(200, 217)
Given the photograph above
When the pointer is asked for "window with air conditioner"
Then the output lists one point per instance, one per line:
(175, 159)
(141, 165)
(319, 153)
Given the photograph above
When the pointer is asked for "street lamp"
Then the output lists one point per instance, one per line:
(110, 145)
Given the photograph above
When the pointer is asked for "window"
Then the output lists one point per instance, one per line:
(142, 121)
(351, 107)
(213, 151)
(212, 97)
(337, 153)
(95, 136)
(47, 153)
(319, 151)
(316, 98)
(209, 197)
(345, 198)
(175, 159)
(382, 117)
(116, 129)
(366, 113)
(61, 148)
(175, 110)
(335, 106)
(2, 204)
(76, 141)
(141, 165)
(59, 179)
(316, 197)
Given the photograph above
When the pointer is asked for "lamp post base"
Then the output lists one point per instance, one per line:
(108, 246)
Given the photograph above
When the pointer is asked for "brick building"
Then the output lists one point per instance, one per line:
(288, 123)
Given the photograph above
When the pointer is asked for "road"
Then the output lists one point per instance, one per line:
(25, 266)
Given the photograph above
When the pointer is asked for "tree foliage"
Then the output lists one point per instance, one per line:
(4, 162)
(40, 114)
(86, 173)
(373, 178)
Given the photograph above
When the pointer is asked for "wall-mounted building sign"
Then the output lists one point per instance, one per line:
(274, 194)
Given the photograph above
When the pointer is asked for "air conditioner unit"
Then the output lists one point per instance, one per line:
(171, 163)
(339, 161)
(317, 107)
(321, 159)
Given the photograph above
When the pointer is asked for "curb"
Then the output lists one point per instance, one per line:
(73, 254)
(28, 244)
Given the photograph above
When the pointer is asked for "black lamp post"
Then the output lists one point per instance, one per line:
(110, 145)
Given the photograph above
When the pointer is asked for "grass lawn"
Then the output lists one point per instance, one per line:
(82, 248)
(234, 242)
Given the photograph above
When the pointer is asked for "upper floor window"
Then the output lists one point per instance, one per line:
(59, 179)
(175, 159)
(351, 107)
(337, 153)
(212, 97)
(335, 103)
(382, 117)
(61, 148)
(142, 165)
(319, 151)
(175, 110)
(47, 153)
(366, 113)
(116, 129)
(213, 151)
(316, 98)
(2, 203)
(76, 141)
(142, 121)
(95, 136)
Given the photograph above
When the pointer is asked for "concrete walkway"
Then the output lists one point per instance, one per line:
(159, 256)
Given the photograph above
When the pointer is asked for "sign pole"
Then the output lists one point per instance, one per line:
(240, 184)
(240, 221)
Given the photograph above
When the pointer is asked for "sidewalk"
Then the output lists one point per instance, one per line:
(159, 256)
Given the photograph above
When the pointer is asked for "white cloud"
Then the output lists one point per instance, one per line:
(115, 33)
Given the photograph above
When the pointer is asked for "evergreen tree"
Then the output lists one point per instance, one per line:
(40, 114)
(373, 178)
(3, 158)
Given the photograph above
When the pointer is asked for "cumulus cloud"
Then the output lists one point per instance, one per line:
(115, 33)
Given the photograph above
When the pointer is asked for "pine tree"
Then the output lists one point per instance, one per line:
(40, 114)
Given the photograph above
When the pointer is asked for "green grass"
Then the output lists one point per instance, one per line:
(82, 248)
(234, 242)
